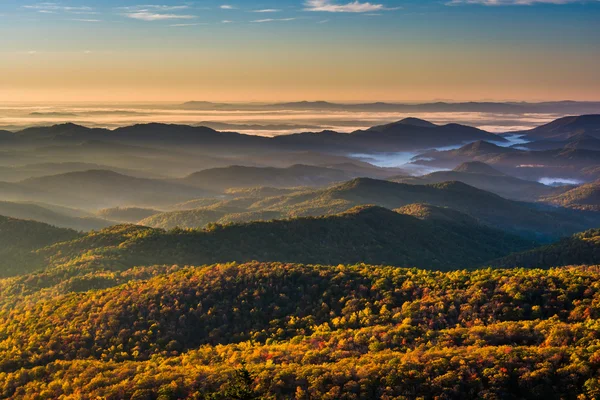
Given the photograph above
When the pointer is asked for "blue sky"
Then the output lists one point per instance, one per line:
(401, 49)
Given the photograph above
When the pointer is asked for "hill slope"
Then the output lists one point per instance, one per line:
(485, 177)
(46, 215)
(365, 234)
(524, 219)
(101, 188)
(585, 197)
(243, 177)
(580, 249)
(18, 241)
(488, 208)
(564, 128)
(284, 330)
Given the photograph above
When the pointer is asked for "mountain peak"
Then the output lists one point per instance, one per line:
(416, 122)
(482, 147)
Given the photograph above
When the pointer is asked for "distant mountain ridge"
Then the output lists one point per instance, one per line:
(557, 107)
(237, 176)
(408, 133)
(566, 127)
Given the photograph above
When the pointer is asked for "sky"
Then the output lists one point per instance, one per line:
(287, 50)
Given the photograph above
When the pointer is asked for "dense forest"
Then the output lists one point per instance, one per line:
(288, 331)
(582, 248)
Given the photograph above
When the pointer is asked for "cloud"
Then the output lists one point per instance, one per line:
(273, 20)
(267, 10)
(512, 2)
(352, 7)
(150, 16)
(85, 20)
(226, 21)
(227, 7)
(53, 8)
(156, 7)
(155, 12)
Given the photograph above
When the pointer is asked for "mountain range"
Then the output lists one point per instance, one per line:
(556, 107)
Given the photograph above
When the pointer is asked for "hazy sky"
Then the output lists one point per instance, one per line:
(242, 50)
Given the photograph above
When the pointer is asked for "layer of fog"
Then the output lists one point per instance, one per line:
(559, 181)
(257, 122)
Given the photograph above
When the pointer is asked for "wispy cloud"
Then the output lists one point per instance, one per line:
(85, 20)
(227, 7)
(512, 2)
(148, 16)
(155, 7)
(352, 7)
(267, 10)
(273, 20)
(155, 12)
(53, 8)
(226, 21)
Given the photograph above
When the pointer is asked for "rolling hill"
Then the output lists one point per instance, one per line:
(104, 189)
(580, 249)
(567, 163)
(52, 215)
(490, 209)
(404, 135)
(363, 234)
(126, 214)
(269, 330)
(566, 127)
(219, 179)
(585, 197)
(18, 241)
(581, 141)
(485, 177)
(519, 218)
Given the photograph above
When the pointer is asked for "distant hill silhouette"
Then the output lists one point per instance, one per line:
(101, 188)
(47, 215)
(563, 162)
(410, 133)
(240, 176)
(564, 128)
(579, 141)
(485, 177)
(556, 107)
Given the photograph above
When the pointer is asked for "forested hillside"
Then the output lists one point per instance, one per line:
(580, 249)
(18, 241)
(527, 220)
(291, 331)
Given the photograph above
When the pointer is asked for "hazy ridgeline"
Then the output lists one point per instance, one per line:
(159, 261)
